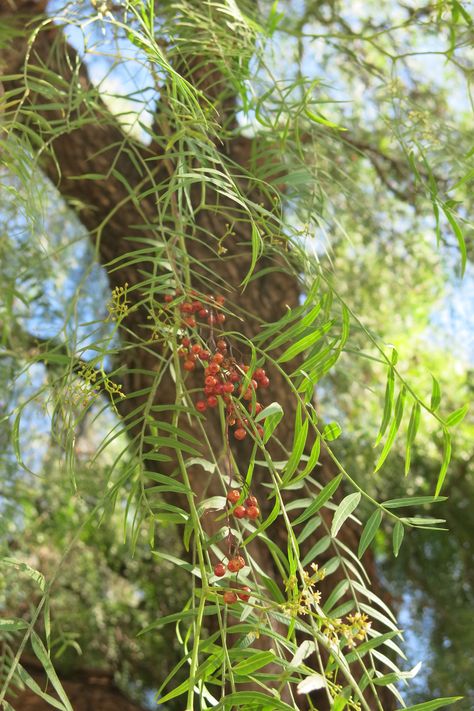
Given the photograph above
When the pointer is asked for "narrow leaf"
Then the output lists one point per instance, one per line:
(254, 662)
(370, 529)
(46, 663)
(320, 500)
(331, 431)
(446, 460)
(343, 511)
(435, 394)
(305, 342)
(397, 418)
(398, 533)
(412, 501)
(388, 404)
(411, 434)
(435, 704)
(457, 416)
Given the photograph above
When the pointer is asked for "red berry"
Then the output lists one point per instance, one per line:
(240, 512)
(233, 496)
(248, 394)
(254, 384)
(264, 382)
(219, 570)
(189, 365)
(190, 321)
(234, 376)
(260, 430)
(220, 300)
(196, 305)
(211, 380)
(186, 308)
(230, 597)
(204, 355)
(201, 406)
(253, 512)
(168, 298)
(228, 387)
(258, 408)
(196, 348)
(212, 401)
(209, 390)
(236, 564)
(213, 368)
(260, 373)
(220, 318)
(245, 593)
(185, 342)
(218, 358)
(182, 352)
(219, 389)
(251, 501)
(240, 433)
(203, 313)
(221, 344)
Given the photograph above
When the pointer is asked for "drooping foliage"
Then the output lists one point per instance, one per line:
(225, 230)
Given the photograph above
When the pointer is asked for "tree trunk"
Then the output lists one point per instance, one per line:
(94, 144)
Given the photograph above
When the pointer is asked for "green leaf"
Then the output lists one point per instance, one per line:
(299, 443)
(370, 529)
(339, 703)
(435, 394)
(343, 511)
(46, 663)
(254, 662)
(331, 431)
(435, 704)
(305, 342)
(387, 407)
(318, 118)
(397, 418)
(335, 596)
(411, 434)
(297, 329)
(459, 236)
(31, 684)
(272, 409)
(413, 501)
(275, 413)
(445, 463)
(251, 700)
(12, 625)
(398, 533)
(320, 500)
(457, 416)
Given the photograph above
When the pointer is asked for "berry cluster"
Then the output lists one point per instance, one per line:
(224, 377)
(236, 561)
(250, 508)
(229, 380)
(208, 309)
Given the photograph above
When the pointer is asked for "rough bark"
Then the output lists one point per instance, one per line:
(113, 214)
